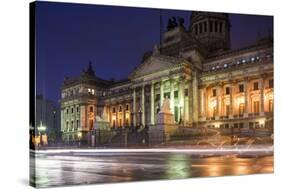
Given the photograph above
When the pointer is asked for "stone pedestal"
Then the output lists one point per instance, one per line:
(161, 133)
(165, 126)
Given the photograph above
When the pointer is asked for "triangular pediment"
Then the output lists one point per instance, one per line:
(153, 65)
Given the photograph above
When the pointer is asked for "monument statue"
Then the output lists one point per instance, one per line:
(165, 116)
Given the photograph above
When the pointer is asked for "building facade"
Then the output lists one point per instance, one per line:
(208, 84)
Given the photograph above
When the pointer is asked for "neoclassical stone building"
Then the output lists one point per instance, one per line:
(208, 84)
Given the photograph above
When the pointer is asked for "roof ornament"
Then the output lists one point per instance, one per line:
(90, 69)
(156, 50)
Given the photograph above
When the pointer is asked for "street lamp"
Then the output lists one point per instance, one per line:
(41, 128)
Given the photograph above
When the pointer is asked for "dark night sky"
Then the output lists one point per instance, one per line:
(68, 36)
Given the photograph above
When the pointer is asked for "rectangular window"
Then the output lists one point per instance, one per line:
(216, 26)
(227, 90)
(200, 27)
(205, 26)
(241, 88)
(214, 92)
(167, 95)
(176, 94)
(220, 27)
(77, 109)
(113, 110)
(270, 83)
(211, 26)
(256, 86)
(120, 108)
(256, 106)
(71, 110)
(157, 97)
(91, 109)
(185, 92)
(196, 29)
(127, 107)
(241, 125)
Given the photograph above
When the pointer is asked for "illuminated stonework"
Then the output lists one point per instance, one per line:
(221, 88)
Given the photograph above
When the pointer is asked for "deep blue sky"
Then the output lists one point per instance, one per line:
(68, 36)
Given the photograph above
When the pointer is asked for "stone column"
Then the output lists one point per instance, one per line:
(124, 114)
(195, 98)
(172, 105)
(246, 97)
(218, 103)
(143, 104)
(232, 100)
(161, 93)
(152, 104)
(262, 97)
(181, 99)
(134, 107)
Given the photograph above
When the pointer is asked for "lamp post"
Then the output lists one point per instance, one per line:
(41, 129)
(79, 138)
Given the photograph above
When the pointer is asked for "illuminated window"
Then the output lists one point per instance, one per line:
(91, 109)
(256, 106)
(241, 88)
(270, 104)
(270, 83)
(214, 92)
(256, 86)
(89, 90)
(241, 108)
(227, 90)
